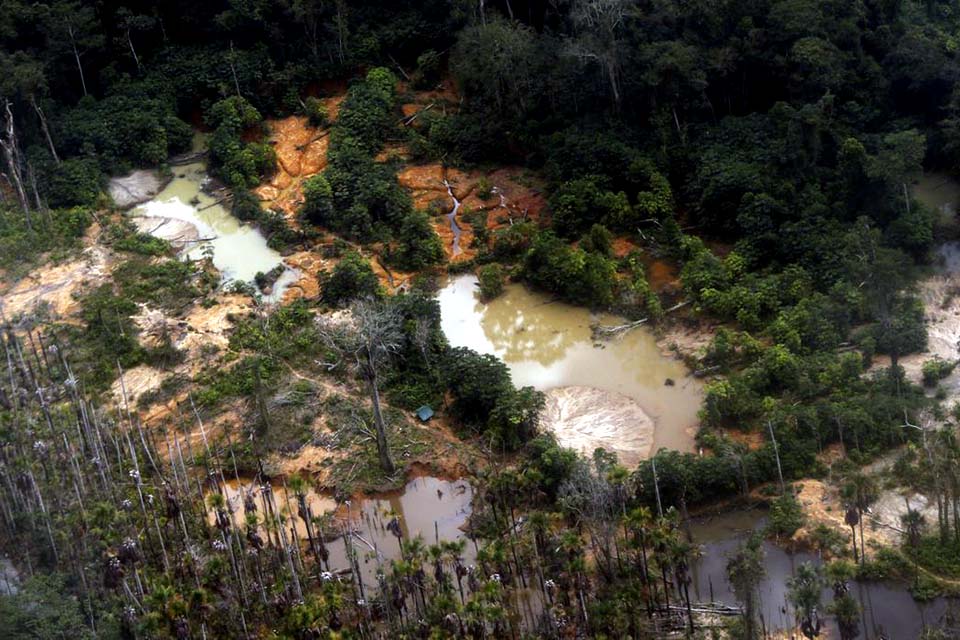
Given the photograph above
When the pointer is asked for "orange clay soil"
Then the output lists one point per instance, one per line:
(513, 196)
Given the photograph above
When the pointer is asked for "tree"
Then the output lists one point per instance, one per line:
(317, 200)
(70, 23)
(490, 278)
(600, 27)
(26, 78)
(804, 594)
(844, 607)
(499, 64)
(352, 278)
(419, 245)
(131, 23)
(745, 570)
(860, 491)
(42, 610)
(367, 342)
(477, 383)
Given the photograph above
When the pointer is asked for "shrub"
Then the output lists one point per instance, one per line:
(484, 188)
(597, 240)
(76, 182)
(351, 278)
(786, 516)
(491, 277)
(418, 245)
(316, 112)
(935, 370)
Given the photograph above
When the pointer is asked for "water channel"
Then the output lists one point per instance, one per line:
(625, 394)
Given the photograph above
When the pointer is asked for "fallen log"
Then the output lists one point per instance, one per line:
(615, 331)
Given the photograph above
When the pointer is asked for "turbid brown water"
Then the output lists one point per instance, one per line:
(198, 224)
(941, 192)
(429, 507)
(548, 345)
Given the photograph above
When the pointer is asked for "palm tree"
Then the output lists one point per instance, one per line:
(804, 590)
(745, 570)
(861, 491)
(638, 522)
(844, 607)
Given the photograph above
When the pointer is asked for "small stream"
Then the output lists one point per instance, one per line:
(452, 217)
(199, 225)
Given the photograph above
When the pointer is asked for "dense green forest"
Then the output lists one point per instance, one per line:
(766, 149)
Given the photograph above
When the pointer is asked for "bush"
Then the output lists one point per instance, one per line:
(351, 278)
(786, 516)
(76, 182)
(316, 112)
(491, 278)
(135, 127)
(484, 188)
(22, 243)
(935, 370)
(238, 163)
(597, 240)
(124, 237)
(419, 246)
(513, 242)
(573, 274)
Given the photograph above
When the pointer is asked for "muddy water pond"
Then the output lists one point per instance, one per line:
(941, 192)
(432, 508)
(626, 394)
(197, 224)
(888, 609)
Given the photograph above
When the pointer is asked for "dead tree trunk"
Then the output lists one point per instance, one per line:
(76, 56)
(11, 153)
(383, 447)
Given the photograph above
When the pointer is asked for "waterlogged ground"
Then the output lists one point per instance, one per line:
(432, 508)
(615, 394)
(198, 223)
(889, 611)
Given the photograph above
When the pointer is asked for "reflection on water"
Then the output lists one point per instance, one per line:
(940, 192)
(239, 251)
(889, 611)
(548, 344)
(429, 507)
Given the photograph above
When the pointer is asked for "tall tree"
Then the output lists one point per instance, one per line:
(73, 25)
(367, 342)
(745, 570)
(600, 28)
